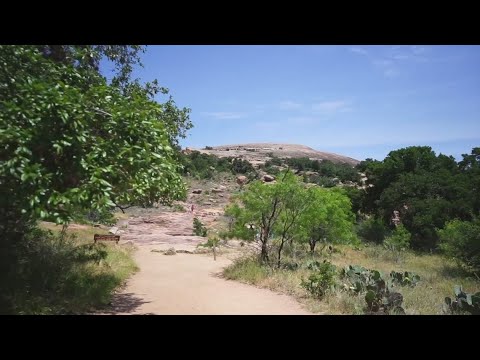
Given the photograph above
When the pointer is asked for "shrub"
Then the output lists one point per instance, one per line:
(398, 240)
(372, 230)
(241, 166)
(57, 274)
(210, 243)
(198, 228)
(321, 280)
(461, 240)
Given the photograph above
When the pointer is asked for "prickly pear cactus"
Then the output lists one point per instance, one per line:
(463, 303)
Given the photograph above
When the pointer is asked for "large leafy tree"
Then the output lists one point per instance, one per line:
(71, 139)
(327, 219)
(426, 189)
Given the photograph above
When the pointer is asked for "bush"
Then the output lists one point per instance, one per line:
(461, 240)
(198, 228)
(210, 243)
(321, 280)
(56, 274)
(372, 230)
(241, 166)
(398, 240)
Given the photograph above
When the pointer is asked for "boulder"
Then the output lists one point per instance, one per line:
(268, 178)
(113, 230)
(242, 180)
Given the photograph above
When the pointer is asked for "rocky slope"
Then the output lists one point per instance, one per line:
(258, 153)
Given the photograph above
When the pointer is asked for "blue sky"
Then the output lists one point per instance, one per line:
(359, 101)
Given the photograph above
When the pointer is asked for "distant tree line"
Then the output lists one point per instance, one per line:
(325, 170)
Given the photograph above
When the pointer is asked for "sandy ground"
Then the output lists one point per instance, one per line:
(191, 284)
(187, 284)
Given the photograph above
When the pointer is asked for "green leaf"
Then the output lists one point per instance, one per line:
(370, 297)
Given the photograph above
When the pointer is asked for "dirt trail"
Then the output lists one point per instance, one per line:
(187, 284)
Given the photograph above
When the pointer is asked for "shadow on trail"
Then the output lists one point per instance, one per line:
(125, 303)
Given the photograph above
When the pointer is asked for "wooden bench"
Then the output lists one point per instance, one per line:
(98, 237)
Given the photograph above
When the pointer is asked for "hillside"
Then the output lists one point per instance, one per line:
(258, 153)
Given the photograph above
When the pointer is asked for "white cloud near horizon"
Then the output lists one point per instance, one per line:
(330, 106)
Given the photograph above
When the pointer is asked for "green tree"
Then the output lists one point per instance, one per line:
(70, 139)
(426, 189)
(470, 168)
(295, 202)
(258, 208)
(328, 218)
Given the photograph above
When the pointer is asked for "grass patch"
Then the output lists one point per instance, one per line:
(438, 276)
(246, 270)
(55, 274)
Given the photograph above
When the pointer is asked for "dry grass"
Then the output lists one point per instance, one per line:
(84, 233)
(438, 278)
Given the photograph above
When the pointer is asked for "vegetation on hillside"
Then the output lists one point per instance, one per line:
(205, 166)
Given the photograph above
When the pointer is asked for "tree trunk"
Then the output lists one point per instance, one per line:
(280, 252)
(264, 254)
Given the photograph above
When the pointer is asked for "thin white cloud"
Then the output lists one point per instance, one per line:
(358, 50)
(221, 115)
(391, 60)
(382, 62)
(401, 57)
(303, 120)
(418, 49)
(391, 73)
(289, 105)
(330, 106)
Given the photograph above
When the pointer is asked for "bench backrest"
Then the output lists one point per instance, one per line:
(98, 237)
